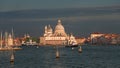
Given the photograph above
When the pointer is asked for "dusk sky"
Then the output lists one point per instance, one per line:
(81, 17)
(11, 5)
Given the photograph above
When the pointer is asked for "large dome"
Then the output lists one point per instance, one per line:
(59, 29)
(59, 26)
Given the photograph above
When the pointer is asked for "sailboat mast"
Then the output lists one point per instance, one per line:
(1, 40)
(6, 39)
(13, 36)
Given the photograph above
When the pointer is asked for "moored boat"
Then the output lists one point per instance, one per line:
(71, 45)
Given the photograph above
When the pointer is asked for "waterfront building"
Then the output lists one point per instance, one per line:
(94, 37)
(100, 38)
(28, 40)
(56, 37)
(81, 40)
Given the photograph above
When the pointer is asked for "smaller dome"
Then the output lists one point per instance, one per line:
(49, 28)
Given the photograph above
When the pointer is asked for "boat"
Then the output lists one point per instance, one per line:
(72, 45)
(57, 53)
(71, 42)
(80, 49)
(12, 58)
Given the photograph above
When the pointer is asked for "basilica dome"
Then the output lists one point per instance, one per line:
(59, 29)
(59, 26)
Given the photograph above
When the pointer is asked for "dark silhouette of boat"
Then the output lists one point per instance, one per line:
(71, 45)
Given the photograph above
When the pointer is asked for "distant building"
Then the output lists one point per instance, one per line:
(56, 37)
(100, 38)
(81, 40)
(94, 37)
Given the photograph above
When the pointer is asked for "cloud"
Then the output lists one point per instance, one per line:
(114, 16)
(69, 15)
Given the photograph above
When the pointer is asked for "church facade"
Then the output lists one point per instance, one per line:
(56, 37)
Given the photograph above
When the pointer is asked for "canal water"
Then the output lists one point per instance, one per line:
(44, 57)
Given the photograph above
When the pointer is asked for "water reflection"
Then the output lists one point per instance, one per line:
(12, 65)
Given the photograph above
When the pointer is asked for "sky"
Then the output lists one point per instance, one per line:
(11, 5)
(81, 17)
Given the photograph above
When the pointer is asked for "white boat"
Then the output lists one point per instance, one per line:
(80, 49)
(71, 42)
(72, 45)
(12, 58)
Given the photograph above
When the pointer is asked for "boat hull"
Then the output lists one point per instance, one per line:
(71, 46)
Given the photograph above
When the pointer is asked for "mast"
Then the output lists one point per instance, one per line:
(1, 40)
(12, 33)
(13, 36)
(6, 39)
